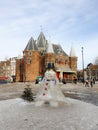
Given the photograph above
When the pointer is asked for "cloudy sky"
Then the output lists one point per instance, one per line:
(64, 22)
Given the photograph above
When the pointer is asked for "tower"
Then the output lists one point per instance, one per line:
(50, 56)
(31, 58)
(73, 59)
(29, 65)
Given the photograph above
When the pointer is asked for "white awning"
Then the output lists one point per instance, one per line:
(67, 70)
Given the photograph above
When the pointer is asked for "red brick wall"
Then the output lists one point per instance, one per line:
(18, 70)
(49, 58)
(32, 69)
(73, 63)
(29, 71)
(38, 65)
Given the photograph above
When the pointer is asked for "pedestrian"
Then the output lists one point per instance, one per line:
(75, 80)
(64, 80)
(87, 83)
(91, 82)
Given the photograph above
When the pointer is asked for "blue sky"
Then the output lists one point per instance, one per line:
(65, 22)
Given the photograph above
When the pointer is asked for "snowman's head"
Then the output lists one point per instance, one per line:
(50, 74)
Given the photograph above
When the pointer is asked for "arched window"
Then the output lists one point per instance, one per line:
(28, 60)
(56, 60)
(66, 61)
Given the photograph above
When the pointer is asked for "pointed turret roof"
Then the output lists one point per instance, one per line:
(31, 45)
(50, 48)
(72, 52)
(41, 41)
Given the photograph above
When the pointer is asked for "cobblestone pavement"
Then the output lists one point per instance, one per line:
(76, 91)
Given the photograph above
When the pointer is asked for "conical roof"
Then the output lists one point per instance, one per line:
(31, 45)
(41, 41)
(50, 48)
(72, 52)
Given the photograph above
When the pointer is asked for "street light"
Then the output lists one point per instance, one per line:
(83, 63)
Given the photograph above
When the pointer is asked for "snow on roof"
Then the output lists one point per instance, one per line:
(50, 48)
(72, 52)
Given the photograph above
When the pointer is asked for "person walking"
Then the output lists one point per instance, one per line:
(91, 82)
(87, 83)
(64, 80)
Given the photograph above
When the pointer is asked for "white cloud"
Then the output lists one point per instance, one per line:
(65, 21)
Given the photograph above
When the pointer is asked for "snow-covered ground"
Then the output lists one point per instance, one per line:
(17, 114)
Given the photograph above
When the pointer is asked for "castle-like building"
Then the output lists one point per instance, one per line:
(38, 54)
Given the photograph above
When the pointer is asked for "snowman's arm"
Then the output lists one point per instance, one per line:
(56, 81)
(42, 82)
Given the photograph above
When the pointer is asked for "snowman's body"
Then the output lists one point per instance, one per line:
(50, 91)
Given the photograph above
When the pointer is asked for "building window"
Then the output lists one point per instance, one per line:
(56, 60)
(66, 61)
(59, 51)
(30, 53)
(61, 60)
(28, 60)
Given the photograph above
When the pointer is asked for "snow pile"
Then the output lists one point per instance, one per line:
(17, 114)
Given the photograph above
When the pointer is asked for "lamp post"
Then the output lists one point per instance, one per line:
(83, 63)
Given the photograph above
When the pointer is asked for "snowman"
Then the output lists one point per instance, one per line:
(50, 91)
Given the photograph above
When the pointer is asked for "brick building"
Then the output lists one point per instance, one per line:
(38, 54)
(8, 69)
(5, 68)
(92, 71)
